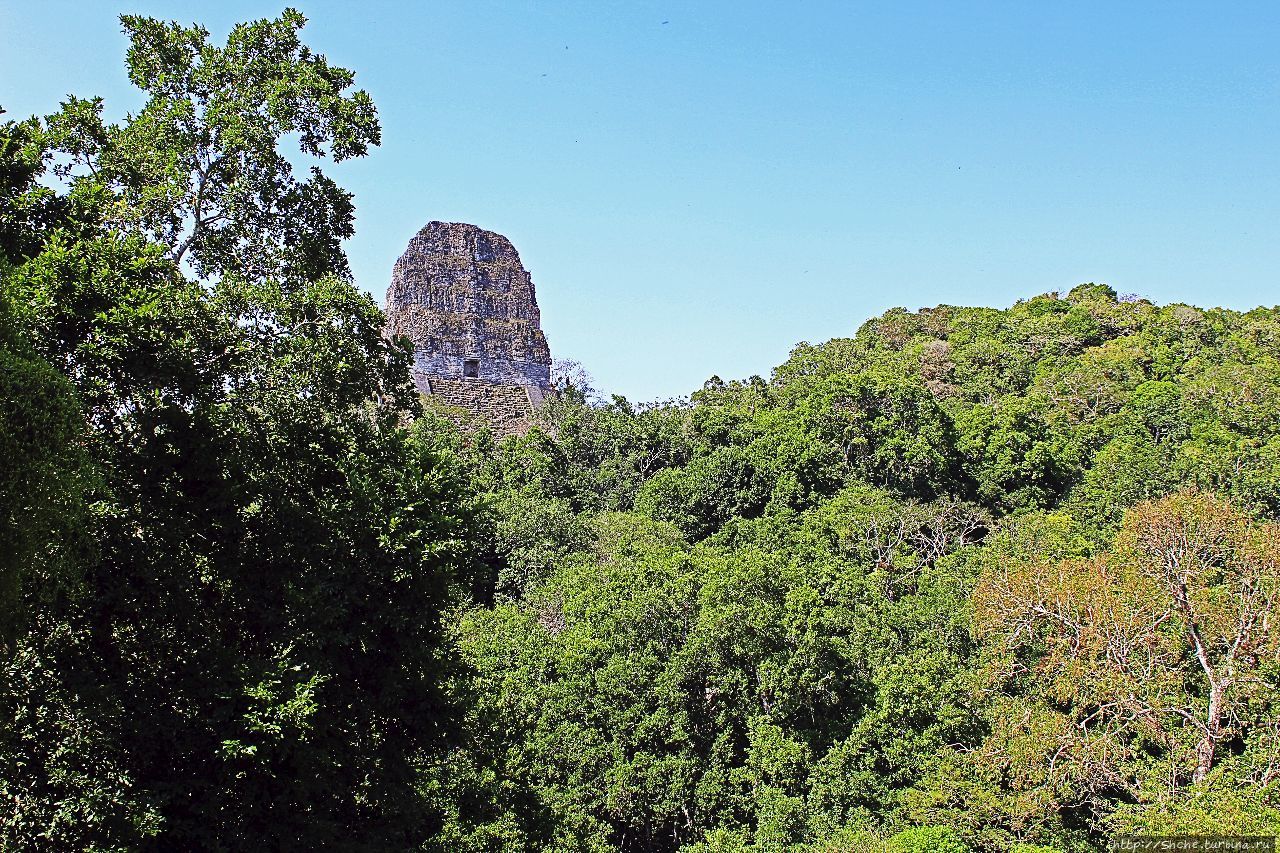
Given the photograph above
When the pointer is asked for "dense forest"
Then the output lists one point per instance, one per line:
(969, 580)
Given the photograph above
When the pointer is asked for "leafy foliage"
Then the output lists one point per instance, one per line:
(970, 580)
(906, 594)
(250, 650)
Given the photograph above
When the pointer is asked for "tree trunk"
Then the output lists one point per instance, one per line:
(1213, 731)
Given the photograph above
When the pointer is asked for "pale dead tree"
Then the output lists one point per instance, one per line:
(568, 375)
(902, 538)
(1220, 573)
(1165, 640)
(949, 524)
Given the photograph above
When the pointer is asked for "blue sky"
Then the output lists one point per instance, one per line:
(696, 187)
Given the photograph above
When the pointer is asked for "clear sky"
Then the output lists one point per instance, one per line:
(696, 187)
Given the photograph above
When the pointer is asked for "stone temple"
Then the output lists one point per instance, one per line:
(463, 297)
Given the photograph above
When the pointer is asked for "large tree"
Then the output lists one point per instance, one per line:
(201, 170)
(253, 655)
(1145, 662)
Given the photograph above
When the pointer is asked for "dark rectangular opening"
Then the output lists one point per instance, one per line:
(471, 368)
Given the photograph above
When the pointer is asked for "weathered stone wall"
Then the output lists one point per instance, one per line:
(506, 408)
(464, 298)
(427, 365)
(491, 368)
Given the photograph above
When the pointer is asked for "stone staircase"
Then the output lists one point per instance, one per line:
(505, 407)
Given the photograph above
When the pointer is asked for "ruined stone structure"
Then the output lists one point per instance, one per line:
(463, 297)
